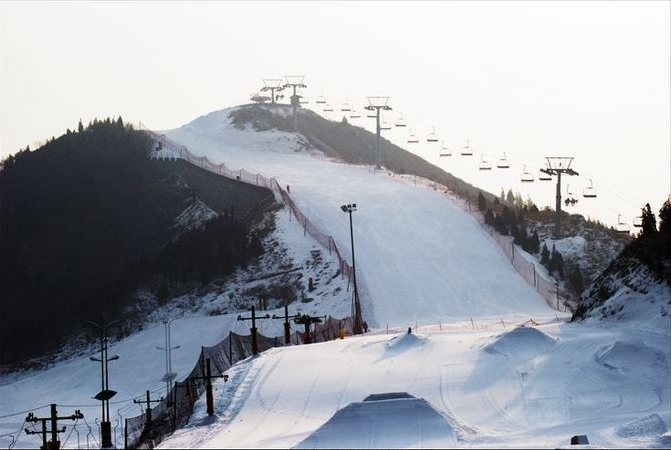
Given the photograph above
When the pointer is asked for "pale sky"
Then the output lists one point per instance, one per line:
(532, 79)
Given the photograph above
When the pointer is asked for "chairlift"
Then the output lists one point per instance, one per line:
(432, 137)
(354, 114)
(638, 221)
(328, 108)
(320, 100)
(589, 192)
(412, 139)
(570, 199)
(466, 149)
(400, 122)
(622, 226)
(384, 125)
(542, 176)
(526, 177)
(484, 165)
(444, 151)
(503, 162)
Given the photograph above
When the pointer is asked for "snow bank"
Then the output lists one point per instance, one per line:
(404, 342)
(631, 357)
(386, 423)
(522, 341)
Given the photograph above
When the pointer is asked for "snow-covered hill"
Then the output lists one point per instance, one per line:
(416, 250)
(423, 262)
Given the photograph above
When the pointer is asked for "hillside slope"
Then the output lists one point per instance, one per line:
(419, 256)
(82, 219)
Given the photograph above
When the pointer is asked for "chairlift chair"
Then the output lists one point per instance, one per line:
(466, 149)
(444, 150)
(412, 139)
(354, 114)
(303, 101)
(638, 221)
(570, 199)
(328, 108)
(400, 122)
(346, 107)
(484, 165)
(542, 176)
(321, 99)
(371, 114)
(384, 125)
(432, 137)
(622, 226)
(503, 162)
(526, 177)
(589, 192)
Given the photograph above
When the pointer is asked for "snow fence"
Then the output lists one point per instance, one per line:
(174, 411)
(170, 150)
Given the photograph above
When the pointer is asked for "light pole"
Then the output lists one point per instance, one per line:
(349, 208)
(169, 374)
(105, 393)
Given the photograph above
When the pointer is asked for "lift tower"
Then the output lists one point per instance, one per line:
(558, 165)
(294, 81)
(272, 85)
(376, 104)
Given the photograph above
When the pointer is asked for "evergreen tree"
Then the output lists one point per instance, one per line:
(665, 218)
(80, 126)
(576, 280)
(519, 203)
(482, 203)
(535, 243)
(502, 196)
(649, 228)
(510, 197)
(489, 217)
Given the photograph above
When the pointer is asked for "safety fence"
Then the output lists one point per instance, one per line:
(175, 410)
(170, 149)
(547, 289)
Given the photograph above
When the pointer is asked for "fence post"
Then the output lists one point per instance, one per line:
(125, 433)
(329, 245)
(305, 227)
(512, 247)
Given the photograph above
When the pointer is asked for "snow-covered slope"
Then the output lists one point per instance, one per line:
(420, 257)
(515, 388)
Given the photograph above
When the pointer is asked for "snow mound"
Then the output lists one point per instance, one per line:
(388, 423)
(522, 341)
(404, 342)
(648, 426)
(630, 356)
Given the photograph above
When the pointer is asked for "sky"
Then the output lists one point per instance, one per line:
(532, 79)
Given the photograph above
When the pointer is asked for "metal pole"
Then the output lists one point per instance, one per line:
(357, 316)
(107, 402)
(102, 370)
(378, 150)
(54, 426)
(558, 207)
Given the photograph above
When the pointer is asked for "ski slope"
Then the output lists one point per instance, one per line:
(524, 387)
(421, 259)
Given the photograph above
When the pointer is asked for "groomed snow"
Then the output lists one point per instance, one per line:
(488, 399)
(419, 256)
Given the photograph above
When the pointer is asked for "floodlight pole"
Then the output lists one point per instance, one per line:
(557, 165)
(349, 208)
